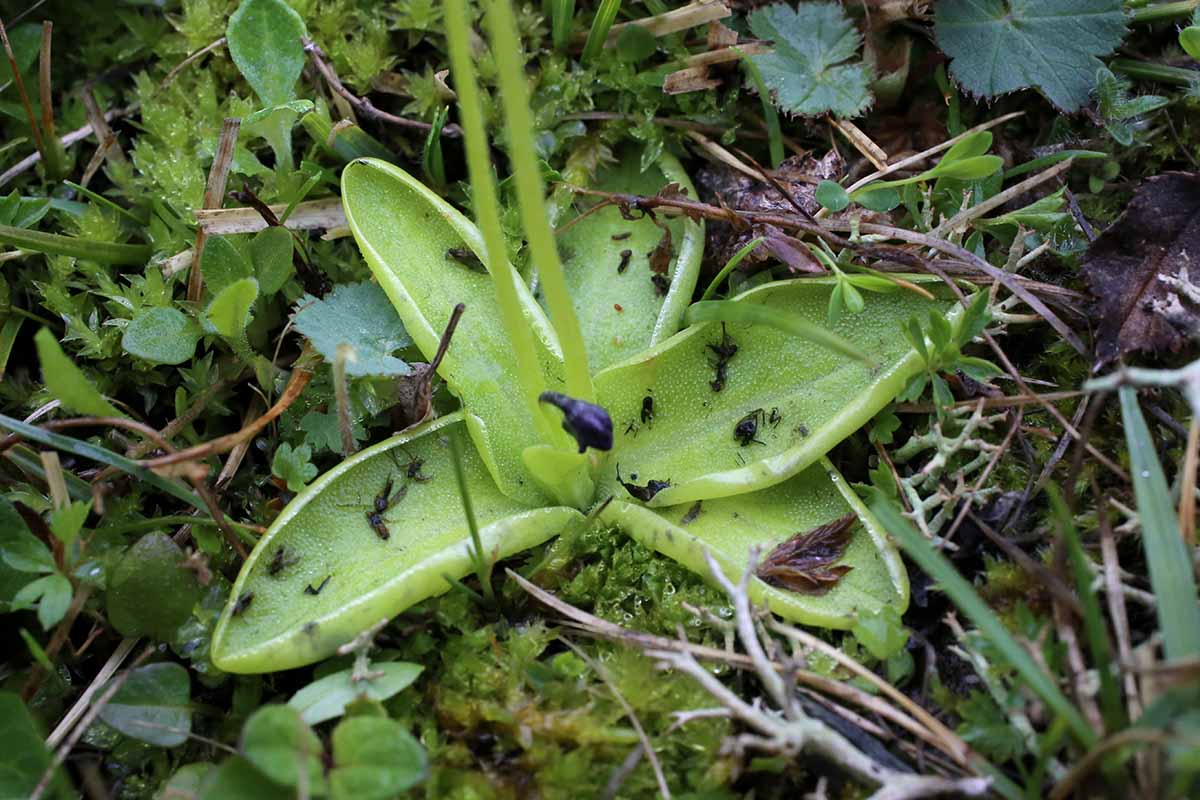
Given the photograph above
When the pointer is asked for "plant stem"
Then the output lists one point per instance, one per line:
(606, 14)
(1164, 11)
(730, 266)
(1149, 71)
(56, 245)
(514, 93)
(487, 214)
(483, 567)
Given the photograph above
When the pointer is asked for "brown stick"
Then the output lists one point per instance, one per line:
(20, 82)
(214, 194)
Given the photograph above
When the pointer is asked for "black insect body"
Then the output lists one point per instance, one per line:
(632, 428)
(775, 417)
(643, 493)
(724, 351)
(620, 237)
(624, 265)
(280, 561)
(647, 410)
(661, 284)
(413, 468)
(747, 428)
(242, 603)
(589, 424)
(383, 501)
(314, 592)
(466, 257)
(692, 513)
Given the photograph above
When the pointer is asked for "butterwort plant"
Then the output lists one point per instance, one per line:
(581, 395)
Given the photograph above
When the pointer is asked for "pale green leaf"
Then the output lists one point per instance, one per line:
(161, 335)
(282, 746)
(999, 46)
(263, 37)
(229, 312)
(153, 705)
(51, 594)
(375, 759)
(326, 698)
(360, 315)
(67, 383)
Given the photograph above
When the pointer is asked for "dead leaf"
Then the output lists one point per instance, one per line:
(660, 256)
(1136, 265)
(804, 563)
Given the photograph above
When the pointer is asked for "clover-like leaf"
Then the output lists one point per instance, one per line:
(343, 576)
(414, 243)
(735, 407)
(360, 315)
(729, 527)
(375, 759)
(999, 46)
(284, 748)
(327, 697)
(607, 262)
(810, 70)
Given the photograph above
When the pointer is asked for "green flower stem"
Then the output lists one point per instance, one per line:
(55, 245)
(514, 93)
(483, 566)
(731, 265)
(487, 214)
(1162, 11)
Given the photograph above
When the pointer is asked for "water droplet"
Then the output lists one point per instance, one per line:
(1145, 473)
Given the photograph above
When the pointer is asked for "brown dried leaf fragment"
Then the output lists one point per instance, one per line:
(660, 256)
(804, 563)
(1136, 265)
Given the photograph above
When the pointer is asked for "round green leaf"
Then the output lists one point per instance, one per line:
(880, 200)
(150, 592)
(161, 335)
(280, 744)
(327, 698)
(237, 779)
(832, 196)
(222, 263)
(376, 758)
(1189, 40)
(264, 41)
(153, 705)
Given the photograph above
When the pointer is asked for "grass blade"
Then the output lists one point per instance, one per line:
(606, 15)
(973, 606)
(84, 449)
(56, 245)
(1168, 559)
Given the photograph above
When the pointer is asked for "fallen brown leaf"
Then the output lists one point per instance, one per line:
(1137, 266)
(804, 563)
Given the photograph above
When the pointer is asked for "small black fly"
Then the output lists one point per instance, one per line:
(280, 561)
(314, 592)
(466, 257)
(775, 417)
(747, 428)
(724, 350)
(383, 501)
(643, 493)
(661, 284)
(242, 603)
(647, 410)
(413, 468)
(624, 265)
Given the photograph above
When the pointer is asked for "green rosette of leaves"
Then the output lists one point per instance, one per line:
(720, 429)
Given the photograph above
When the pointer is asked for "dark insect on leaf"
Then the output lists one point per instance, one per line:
(314, 592)
(647, 410)
(589, 424)
(804, 563)
(661, 285)
(415, 391)
(242, 603)
(280, 561)
(624, 265)
(746, 430)
(379, 506)
(620, 237)
(692, 513)
(643, 493)
(466, 257)
(660, 256)
(775, 418)
(724, 350)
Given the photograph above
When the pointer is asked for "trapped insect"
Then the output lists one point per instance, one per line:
(280, 561)
(310, 590)
(383, 501)
(746, 429)
(243, 602)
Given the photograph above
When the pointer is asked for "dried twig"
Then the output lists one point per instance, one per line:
(214, 194)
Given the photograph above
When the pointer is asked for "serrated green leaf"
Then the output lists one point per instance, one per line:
(326, 698)
(67, 383)
(153, 705)
(263, 37)
(807, 71)
(1000, 46)
(376, 759)
(360, 315)
(229, 312)
(294, 465)
(161, 335)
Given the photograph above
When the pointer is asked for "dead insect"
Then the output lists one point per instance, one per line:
(624, 265)
(280, 561)
(643, 493)
(801, 429)
(661, 284)
(647, 410)
(242, 603)
(747, 428)
(804, 563)
(314, 592)
(466, 257)
(412, 469)
(775, 418)
(620, 237)
(383, 501)
(691, 514)
(632, 428)
(724, 350)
